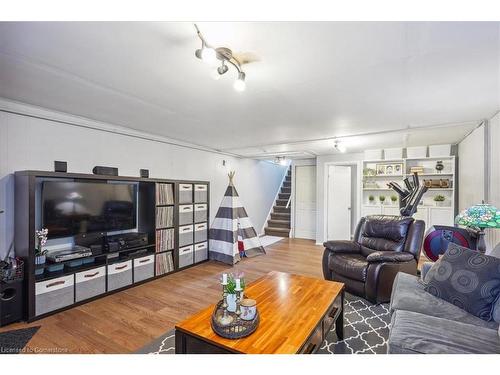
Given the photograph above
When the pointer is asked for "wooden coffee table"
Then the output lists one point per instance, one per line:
(296, 313)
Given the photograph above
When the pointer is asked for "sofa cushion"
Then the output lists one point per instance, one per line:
(408, 294)
(467, 279)
(412, 332)
(352, 266)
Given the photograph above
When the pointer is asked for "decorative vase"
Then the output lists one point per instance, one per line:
(439, 203)
(231, 302)
(439, 166)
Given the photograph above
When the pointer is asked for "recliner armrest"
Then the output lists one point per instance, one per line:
(342, 247)
(389, 256)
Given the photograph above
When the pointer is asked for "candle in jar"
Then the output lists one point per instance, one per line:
(238, 284)
(224, 278)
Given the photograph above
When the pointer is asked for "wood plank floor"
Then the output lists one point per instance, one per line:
(126, 321)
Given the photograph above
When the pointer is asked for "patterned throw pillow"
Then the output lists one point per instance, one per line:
(467, 279)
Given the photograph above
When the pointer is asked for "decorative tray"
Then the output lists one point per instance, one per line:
(238, 328)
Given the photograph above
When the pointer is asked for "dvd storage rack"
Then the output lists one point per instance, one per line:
(158, 209)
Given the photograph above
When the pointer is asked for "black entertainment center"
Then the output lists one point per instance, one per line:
(106, 233)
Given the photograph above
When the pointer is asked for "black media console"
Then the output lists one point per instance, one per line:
(171, 234)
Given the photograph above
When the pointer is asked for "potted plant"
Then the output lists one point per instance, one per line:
(439, 199)
(231, 289)
(381, 199)
(394, 199)
(371, 199)
(40, 241)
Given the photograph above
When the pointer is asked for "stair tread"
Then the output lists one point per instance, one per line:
(278, 229)
(277, 221)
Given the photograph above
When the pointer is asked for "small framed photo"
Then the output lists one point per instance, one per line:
(381, 169)
(398, 168)
(389, 169)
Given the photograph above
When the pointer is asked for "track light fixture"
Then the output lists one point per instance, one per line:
(225, 56)
(339, 146)
(281, 160)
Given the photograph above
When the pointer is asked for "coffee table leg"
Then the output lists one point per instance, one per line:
(339, 323)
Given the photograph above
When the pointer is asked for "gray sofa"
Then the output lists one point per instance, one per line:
(422, 323)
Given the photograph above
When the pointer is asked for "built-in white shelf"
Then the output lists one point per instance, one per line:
(428, 211)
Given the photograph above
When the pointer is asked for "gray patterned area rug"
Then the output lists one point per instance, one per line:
(366, 329)
(13, 342)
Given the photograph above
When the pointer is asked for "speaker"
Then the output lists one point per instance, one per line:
(11, 302)
(108, 171)
(144, 173)
(60, 166)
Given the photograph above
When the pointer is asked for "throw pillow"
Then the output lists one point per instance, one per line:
(467, 279)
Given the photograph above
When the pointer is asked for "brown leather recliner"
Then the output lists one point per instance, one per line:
(382, 247)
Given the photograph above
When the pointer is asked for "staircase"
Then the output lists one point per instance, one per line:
(279, 224)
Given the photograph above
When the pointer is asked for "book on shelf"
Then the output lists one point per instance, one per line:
(164, 217)
(164, 263)
(164, 239)
(164, 194)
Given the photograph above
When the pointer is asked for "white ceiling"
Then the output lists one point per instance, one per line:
(315, 80)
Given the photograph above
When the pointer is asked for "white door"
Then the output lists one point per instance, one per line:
(305, 202)
(339, 203)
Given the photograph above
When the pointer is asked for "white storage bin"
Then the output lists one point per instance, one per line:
(90, 283)
(200, 213)
(186, 235)
(200, 232)
(185, 214)
(200, 252)
(200, 193)
(436, 151)
(186, 256)
(54, 294)
(119, 275)
(144, 268)
(416, 152)
(185, 193)
(373, 154)
(393, 153)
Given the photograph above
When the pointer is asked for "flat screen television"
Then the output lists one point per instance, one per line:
(71, 208)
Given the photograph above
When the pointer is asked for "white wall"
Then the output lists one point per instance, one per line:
(471, 169)
(32, 143)
(321, 162)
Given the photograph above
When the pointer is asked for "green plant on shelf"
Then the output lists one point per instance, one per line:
(371, 199)
(439, 198)
(394, 198)
(381, 198)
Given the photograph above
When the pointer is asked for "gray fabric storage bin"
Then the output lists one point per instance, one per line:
(185, 256)
(185, 235)
(200, 232)
(90, 283)
(200, 213)
(200, 193)
(144, 268)
(185, 193)
(54, 294)
(185, 214)
(119, 275)
(200, 252)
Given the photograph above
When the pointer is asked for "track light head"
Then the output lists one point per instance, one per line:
(239, 84)
(222, 69)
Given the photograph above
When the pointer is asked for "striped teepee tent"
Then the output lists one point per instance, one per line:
(231, 222)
